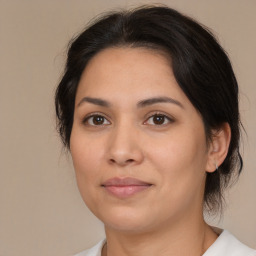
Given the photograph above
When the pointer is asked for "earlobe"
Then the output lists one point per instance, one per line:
(218, 148)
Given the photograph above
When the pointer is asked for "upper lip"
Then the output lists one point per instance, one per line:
(128, 181)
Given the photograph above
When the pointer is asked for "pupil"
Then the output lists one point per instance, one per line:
(158, 119)
(98, 120)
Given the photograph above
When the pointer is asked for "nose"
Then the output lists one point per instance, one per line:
(124, 146)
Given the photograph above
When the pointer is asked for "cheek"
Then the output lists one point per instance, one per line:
(86, 158)
(181, 162)
(179, 149)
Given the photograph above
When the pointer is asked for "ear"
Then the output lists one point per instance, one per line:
(218, 148)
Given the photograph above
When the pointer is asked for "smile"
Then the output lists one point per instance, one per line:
(125, 187)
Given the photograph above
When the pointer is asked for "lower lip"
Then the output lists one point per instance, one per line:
(126, 191)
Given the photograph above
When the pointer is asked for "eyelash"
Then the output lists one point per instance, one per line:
(87, 119)
(167, 119)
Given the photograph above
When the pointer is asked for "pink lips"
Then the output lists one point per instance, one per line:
(125, 187)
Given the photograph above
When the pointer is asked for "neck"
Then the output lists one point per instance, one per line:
(181, 239)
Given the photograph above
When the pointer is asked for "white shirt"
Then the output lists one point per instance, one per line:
(225, 245)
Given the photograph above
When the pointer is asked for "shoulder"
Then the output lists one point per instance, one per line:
(228, 245)
(94, 251)
(225, 245)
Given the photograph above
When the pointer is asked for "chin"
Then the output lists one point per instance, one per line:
(125, 226)
(127, 220)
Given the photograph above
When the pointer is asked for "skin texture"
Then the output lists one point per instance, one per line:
(160, 143)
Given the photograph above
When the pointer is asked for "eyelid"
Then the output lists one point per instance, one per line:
(170, 118)
(85, 119)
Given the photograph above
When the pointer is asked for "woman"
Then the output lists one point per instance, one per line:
(148, 107)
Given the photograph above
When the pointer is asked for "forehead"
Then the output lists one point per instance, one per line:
(140, 72)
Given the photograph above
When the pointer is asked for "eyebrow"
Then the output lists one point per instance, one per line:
(95, 101)
(155, 100)
(140, 104)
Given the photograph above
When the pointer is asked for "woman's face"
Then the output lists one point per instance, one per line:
(138, 145)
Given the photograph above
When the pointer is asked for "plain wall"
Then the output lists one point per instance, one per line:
(41, 212)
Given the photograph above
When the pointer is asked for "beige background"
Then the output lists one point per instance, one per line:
(41, 212)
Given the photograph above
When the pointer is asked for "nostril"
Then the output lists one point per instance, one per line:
(121, 162)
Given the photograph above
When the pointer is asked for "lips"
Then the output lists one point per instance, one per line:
(125, 187)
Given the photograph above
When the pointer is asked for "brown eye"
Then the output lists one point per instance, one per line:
(96, 120)
(158, 119)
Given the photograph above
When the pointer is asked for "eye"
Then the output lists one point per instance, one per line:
(96, 120)
(158, 119)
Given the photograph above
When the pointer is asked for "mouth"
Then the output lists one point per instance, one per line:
(125, 187)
